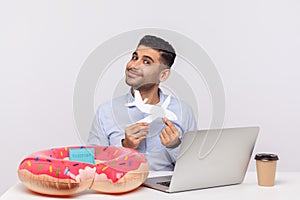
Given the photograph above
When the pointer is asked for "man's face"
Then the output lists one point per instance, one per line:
(144, 67)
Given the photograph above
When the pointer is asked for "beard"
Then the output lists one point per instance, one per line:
(140, 84)
(137, 80)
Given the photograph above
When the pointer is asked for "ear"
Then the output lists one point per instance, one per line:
(164, 75)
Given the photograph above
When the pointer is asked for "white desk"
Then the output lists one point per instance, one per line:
(287, 188)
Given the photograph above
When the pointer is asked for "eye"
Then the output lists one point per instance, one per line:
(146, 62)
(134, 57)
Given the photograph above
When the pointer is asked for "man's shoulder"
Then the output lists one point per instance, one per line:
(179, 102)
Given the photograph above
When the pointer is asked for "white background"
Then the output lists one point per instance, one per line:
(254, 44)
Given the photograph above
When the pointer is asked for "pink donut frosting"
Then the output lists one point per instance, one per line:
(115, 162)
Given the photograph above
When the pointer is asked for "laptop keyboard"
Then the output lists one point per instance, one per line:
(165, 183)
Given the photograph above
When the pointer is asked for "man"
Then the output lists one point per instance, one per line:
(115, 124)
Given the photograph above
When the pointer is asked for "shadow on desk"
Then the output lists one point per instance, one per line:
(26, 191)
(286, 187)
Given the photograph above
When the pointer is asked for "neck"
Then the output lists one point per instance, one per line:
(151, 93)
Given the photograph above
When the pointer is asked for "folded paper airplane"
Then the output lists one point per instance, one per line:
(155, 111)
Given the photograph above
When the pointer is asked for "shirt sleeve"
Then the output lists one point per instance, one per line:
(97, 135)
(188, 125)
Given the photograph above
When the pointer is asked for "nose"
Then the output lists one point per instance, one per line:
(134, 64)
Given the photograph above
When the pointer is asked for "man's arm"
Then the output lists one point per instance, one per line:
(173, 145)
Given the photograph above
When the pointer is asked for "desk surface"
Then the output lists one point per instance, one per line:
(287, 187)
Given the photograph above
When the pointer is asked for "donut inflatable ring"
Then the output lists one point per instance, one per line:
(116, 170)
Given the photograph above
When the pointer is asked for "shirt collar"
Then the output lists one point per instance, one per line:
(130, 97)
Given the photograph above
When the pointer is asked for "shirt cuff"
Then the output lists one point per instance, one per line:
(173, 152)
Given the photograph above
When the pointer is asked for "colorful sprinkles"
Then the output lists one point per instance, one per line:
(57, 171)
(116, 162)
(116, 151)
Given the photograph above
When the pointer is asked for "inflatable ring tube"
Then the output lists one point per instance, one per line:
(116, 170)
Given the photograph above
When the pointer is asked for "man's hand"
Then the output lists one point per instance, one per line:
(169, 136)
(135, 134)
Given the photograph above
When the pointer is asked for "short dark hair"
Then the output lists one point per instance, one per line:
(167, 52)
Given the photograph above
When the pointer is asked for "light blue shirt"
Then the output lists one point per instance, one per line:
(112, 117)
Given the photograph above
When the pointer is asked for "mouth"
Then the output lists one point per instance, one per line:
(133, 74)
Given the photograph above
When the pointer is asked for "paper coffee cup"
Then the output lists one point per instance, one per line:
(266, 168)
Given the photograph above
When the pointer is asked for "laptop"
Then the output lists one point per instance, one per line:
(209, 158)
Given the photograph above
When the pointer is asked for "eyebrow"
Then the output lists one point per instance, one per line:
(149, 58)
(144, 56)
